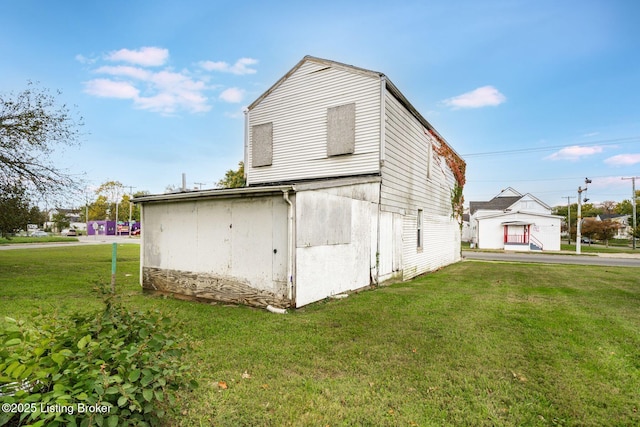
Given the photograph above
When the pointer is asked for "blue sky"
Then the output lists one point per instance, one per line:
(552, 88)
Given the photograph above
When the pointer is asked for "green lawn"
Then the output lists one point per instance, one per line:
(46, 239)
(597, 247)
(585, 248)
(472, 344)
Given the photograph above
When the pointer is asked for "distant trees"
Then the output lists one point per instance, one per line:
(111, 200)
(233, 178)
(600, 230)
(14, 209)
(608, 206)
(605, 230)
(60, 220)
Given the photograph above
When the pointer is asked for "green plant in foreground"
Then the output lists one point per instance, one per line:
(111, 367)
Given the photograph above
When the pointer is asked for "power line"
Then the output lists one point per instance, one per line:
(571, 178)
(605, 142)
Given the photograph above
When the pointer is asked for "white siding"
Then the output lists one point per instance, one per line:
(407, 188)
(545, 229)
(298, 110)
(528, 204)
(325, 268)
(219, 237)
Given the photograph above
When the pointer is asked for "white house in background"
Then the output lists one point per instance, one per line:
(515, 222)
(347, 186)
(625, 227)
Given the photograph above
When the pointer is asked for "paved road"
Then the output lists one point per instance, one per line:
(613, 260)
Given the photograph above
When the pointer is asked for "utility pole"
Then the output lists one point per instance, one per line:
(633, 205)
(199, 184)
(579, 224)
(568, 217)
(130, 207)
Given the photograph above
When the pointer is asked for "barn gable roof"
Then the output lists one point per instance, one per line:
(353, 69)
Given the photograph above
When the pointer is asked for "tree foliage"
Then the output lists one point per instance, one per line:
(32, 126)
(60, 220)
(233, 178)
(601, 230)
(14, 209)
(608, 206)
(104, 206)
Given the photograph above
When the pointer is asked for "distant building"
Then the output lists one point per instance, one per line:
(515, 222)
(111, 228)
(625, 227)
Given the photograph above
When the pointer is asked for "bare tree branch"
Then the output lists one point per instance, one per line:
(32, 127)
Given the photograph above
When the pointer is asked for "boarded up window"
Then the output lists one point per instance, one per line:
(341, 130)
(262, 145)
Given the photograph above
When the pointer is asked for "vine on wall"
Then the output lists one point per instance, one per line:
(458, 168)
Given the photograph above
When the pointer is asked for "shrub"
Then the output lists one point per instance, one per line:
(107, 368)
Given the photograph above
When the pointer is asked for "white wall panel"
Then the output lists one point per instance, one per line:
(324, 270)
(220, 238)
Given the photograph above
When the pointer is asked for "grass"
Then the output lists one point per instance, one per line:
(47, 239)
(493, 344)
(596, 247)
(584, 248)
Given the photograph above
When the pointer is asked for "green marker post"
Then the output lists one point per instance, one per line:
(114, 256)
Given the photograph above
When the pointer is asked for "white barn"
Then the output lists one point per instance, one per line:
(347, 186)
(515, 222)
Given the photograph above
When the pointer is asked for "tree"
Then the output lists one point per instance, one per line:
(589, 210)
(104, 207)
(32, 126)
(608, 206)
(233, 179)
(112, 192)
(60, 220)
(14, 209)
(36, 216)
(605, 230)
(98, 209)
(589, 228)
(624, 207)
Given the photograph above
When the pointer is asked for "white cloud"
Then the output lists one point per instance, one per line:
(214, 66)
(484, 96)
(125, 71)
(575, 152)
(165, 92)
(84, 60)
(145, 56)
(162, 89)
(232, 95)
(106, 88)
(241, 67)
(623, 160)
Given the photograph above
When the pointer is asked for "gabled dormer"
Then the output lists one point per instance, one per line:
(509, 192)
